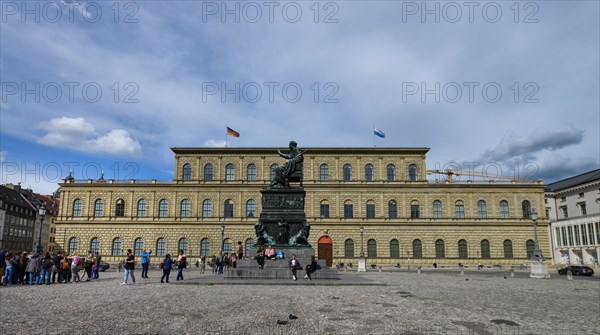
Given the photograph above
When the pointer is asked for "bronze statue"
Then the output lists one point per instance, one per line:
(283, 234)
(293, 165)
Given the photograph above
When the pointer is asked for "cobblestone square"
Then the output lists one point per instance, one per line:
(407, 303)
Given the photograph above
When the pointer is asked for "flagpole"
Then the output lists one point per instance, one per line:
(374, 137)
(226, 135)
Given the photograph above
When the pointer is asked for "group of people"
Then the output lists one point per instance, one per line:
(294, 263)
(38, 269)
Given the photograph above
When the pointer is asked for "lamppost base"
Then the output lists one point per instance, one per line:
(362, 265)
(539, 269)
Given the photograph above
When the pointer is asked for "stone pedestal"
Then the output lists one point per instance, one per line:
(362, 265)
(282, 221)
(539, 269)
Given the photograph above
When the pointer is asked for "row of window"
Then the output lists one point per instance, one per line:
(577, 235)
(18, 232)
(369, 172)
(415, 209)
(349, 249)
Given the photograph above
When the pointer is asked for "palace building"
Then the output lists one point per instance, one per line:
(377, 200)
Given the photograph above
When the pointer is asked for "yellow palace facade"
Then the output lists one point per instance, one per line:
(214, 201)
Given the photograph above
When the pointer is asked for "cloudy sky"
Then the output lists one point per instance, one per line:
(90, 86)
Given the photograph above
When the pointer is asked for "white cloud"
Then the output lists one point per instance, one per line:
(214, 143)
(78, 134)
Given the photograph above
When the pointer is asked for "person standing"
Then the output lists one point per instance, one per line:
(22, 275)
(167, 266)
(129, 268)
(34, 266)
(88, 264)
(56, 268)
(202, 264)
(9, 268)
(233, 260)
(294, 266)
(145, 262)
(75, 264)
(181, 264)
(96, 268)
(240, 250)
(46, 268)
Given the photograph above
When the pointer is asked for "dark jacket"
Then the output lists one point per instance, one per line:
(168, 263)
(298, 266)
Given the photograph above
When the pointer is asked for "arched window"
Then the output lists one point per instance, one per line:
(324, 210)
(77, 207)
(138, 245)
(117, 249)
(206, 208)
(347, 172)
(161, 247)
(394, 249)
(481, 209)
(187, 171)
(99, 208)
(440, 250)
(349, 248)
(272, 171)
(228, 209)
(348, 210)
(371, 248)
(324, 172)
(229, 172)
(205, 247)
(417, 249)
(227, 246)
(369, 172)
(393, 209)
(412, 172)
(415, 210)
(73, 245)
(183, 245)
(463, 251)
(370, 209)
(120, 208)
(526, 209)
(163, 208)
(248, 246)
(459, 210)
(208, 172)
(391, 172)
(250, 208)
(185, 208)
(504, 209)
(530, 247)
(251, 172)
(485, 249)
(437, 209)
(141, 208)
(508, 249)
(95, 245)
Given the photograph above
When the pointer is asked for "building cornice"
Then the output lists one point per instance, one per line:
(267, 151)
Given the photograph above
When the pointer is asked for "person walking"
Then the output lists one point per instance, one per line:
(294, 266)
(9, 269)
(202, 264)
(145, 262)
(129, 268)
(167, 265)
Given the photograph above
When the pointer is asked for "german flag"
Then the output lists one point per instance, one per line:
(232, 132)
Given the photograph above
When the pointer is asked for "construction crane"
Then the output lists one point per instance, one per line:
(449, 173)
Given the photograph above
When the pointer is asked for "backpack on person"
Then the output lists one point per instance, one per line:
(46, 263)
(65, 265)
(161, 265)
(78, 262)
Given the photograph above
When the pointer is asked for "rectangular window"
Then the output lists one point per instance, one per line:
(591, 231)
(581, 195)
(370, 211)
(570, 229)
(577, 235)
(597, 228)
(437, 210)
(564, 235)
(557, 237)
(565, 212)
(348, 211)
(582, 208)
(414, 211)
(324, 210)
(459, 211)
(584, 235)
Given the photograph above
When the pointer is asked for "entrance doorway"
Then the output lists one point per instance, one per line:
(325, 250)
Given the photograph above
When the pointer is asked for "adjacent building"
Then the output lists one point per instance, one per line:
(17, 220)
(573, 208)
(214, 200)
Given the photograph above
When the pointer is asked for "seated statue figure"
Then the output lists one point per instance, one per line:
(294, 161)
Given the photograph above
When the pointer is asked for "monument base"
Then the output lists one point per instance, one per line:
(539, 269)
(362, 265)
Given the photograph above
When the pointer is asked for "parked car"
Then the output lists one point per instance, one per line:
(577, 270)
(103, 266)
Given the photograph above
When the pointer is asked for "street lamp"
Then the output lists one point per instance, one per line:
(42, 212)
(539, 266)
(362, 263)
(362, 250)
(222, 236)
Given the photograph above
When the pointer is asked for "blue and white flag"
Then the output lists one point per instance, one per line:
(378, 132)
